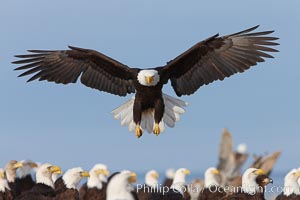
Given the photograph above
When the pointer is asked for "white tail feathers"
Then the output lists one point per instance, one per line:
(173, 110)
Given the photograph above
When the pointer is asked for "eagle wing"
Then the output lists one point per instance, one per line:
(97, 70)
(216, 58)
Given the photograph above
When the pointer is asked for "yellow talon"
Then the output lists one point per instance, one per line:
(156, 130)
(138, 131)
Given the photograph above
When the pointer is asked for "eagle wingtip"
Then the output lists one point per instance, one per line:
(30, 50)
(254, 27)
(78, 49)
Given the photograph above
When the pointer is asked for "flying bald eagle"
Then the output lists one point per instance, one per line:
(212, 59)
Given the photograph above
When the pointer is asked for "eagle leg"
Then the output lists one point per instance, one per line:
(138, 131)
(156, 130)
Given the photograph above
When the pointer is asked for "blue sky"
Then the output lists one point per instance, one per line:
(72, 125)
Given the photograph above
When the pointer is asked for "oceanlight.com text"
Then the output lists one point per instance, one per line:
(226, 189)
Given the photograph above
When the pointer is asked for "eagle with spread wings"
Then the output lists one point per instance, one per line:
(150, 109)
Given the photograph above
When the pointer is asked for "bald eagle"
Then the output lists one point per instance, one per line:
(5, 192)
(24, 181)
(95, 187)
(170, 173)
(212, 189)
(291, 188)
(253, 185)
(44, 187)
(119, 186)
(66, 186)
(178, 190)
(209, 60)
(11, 175)
(150, 187)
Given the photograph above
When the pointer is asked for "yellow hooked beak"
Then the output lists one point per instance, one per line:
(102, 171)
(132, 177)
(2, 175)
(84, 174)
(259, 172)
(216, 172)
(18, 165)
(149, 79)
(55, 170)
(186, 172)
(298, 173)
(155, 175)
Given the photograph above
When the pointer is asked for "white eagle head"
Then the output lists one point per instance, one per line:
(148, 77)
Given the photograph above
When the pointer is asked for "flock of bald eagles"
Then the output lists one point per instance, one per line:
(212, 59)
(224, 182)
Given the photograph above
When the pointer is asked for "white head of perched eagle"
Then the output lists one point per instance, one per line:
(119, 186)
(250, 184)
(151, 178)
(44, 174)
(291, 185)
(180, 180)
(98, 175)
(214, 58)
(212, 177)
(73, 176)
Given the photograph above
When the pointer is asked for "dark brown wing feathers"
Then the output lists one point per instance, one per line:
(212, 59)
(216, 58)
(97, 70)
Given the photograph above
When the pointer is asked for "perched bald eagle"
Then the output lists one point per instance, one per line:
(119, 186)
(212, 189)
(66, 186)
(95, 187)
(24, 181)
(44, 187)
(5, 193)
(178, 190)
(291, 190)
(253, 186)
(150, 188)
(11, 175)
(170, 173)
(212, 59)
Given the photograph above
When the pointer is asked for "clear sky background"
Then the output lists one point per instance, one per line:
(72, 125)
